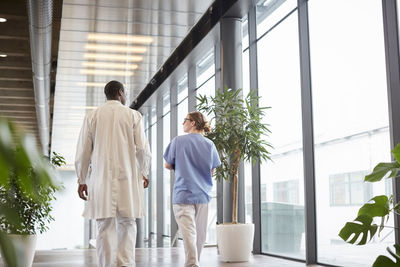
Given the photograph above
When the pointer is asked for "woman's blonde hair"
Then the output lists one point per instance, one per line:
(200, 121)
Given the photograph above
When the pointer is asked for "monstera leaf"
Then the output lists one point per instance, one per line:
(381, 170)
(379, 207)
(396, 153)
(384, 261)
(361, 226)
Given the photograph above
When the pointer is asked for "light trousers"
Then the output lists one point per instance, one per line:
(116, 236)
(192, 222)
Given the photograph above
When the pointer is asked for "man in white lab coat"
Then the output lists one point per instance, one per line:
(113, 143)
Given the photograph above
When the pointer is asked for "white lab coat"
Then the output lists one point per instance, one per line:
(112, 144)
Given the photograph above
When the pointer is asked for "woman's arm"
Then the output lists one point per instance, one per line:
(168, 166)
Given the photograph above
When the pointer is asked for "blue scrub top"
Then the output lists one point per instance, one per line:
(193, 157)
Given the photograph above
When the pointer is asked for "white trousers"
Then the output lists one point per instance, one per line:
(116, 235)
(192, 222)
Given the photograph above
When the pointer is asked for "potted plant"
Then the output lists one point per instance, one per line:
(363, 229)
(238, 134)
(26, 190)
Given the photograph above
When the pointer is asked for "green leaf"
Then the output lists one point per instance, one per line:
(396, 208)
(396, 153)
(383, 261)
(379, 207)
(381, 170)
(361, 226)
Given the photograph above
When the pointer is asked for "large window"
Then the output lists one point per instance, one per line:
(67, 213)
(153, 178)
(286, 192)
(182, 102)
(282, 207)
(205, 84)
(205, 75)
(146, 192)
(347, 189)
(248, 191)
(270, 12)
(350, 114)
(166, 172)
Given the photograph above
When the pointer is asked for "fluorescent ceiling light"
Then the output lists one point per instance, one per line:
(116, 48)
(122, 38)
(107, 72)
(93, 84)
(3, 19)
(113, 57)
(83, 107)
(3, 55)
(106, 65)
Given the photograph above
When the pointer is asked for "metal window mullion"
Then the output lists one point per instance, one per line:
(217, 81)
(391, 35)
(308, 137)
(160, 184)
(256, 185)
(173, 133)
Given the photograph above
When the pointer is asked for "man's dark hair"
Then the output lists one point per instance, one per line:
(111, 89)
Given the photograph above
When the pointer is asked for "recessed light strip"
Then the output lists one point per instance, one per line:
(120, 38)
(106, 72)
(93, 84)
(83, 107)
(113, 57)
(110, 65)
(116, 48)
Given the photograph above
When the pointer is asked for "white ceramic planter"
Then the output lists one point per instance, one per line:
(235, 241)
(25, 248)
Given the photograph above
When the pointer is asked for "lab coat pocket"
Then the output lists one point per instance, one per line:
(124, 174)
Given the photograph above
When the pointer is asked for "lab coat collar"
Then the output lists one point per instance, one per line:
(114, 102)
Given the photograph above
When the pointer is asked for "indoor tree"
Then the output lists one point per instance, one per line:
(239, 133)
(19, 157)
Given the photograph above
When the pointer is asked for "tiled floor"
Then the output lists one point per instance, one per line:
(154, 257)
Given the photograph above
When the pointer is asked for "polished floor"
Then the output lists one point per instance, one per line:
(154, 257)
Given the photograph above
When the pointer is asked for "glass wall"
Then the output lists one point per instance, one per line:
(153, 177)
(67, 213)
(350, 120)
(146, 192)
(205, 84)
(248, 190)
(166, 173)
(205, 75)
(182, 102)
(282, 186)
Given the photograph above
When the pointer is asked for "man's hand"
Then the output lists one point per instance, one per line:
(145, 182)
(82, 191)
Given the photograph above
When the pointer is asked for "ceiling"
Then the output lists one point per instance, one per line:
(74, 91)
(107, 29)
(17, 100)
